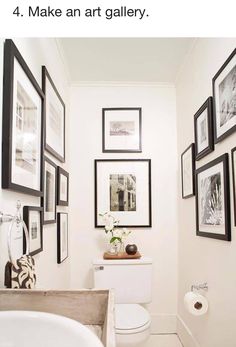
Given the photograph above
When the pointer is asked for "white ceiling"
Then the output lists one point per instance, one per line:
(124, 59)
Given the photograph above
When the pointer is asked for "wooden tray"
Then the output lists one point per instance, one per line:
(121, 255)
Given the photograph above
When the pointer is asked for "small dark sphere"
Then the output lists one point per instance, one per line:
(131, 249)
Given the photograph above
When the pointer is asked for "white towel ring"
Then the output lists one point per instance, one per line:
(18, 220)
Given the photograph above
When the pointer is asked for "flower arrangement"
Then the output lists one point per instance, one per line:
(117, 235)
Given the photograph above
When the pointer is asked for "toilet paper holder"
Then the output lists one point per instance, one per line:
(203, 286)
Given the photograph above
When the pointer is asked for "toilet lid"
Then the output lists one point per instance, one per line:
(130, 316)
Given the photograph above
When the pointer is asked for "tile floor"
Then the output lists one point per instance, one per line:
(163, 341)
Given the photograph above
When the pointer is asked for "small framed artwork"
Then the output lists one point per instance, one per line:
(32, 217)
(213, 199)
(188, 172)
(123, 188)
(234, 180)
(224, 86)
(54, 118)
(50, 191)
(203, 130)
(62, 187)
(122, 130)
(62, 237)
(22, 131)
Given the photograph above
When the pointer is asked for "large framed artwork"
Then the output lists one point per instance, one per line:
(213, 199)
(62, 187)
(122, 130)
(32, 217)
(188, 171)
(50, 191)
(224, 85)
(203, 129)
(54, 118)
(62, 237)
(234, 180)
(22, 130)
(123, 188)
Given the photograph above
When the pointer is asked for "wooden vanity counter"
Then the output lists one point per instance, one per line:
(89, 307)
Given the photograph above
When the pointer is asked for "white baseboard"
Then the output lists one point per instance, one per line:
(186, 337)
(163, 324)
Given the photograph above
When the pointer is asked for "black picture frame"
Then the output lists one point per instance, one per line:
(60, 256)
(207, 125)
(45, 200)
(26, 217)
(228, 81)
(187, 165)
(137, 119)
(60, 201)
(146, 199)
(49, 147)
(233, 158)
(212, 191)
(16, 67)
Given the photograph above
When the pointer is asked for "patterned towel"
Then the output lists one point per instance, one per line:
(20, 273)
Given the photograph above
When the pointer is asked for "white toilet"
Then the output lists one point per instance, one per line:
(131, 280)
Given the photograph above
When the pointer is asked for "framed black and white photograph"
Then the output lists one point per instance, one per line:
(62, 187)
(32, 217)
(188, 171)
(22, 131)
(50, 191)
(123, 188)
(122, 130)
(54, 118)
(62, 237)
(224, 92)
(213, 199)
(203, 130)
(233, 152)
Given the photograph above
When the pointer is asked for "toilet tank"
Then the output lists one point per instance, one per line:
(131, 279)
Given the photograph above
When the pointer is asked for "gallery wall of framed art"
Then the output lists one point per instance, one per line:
(214, 122)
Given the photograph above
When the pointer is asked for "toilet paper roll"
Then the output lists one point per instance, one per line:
(195, 303)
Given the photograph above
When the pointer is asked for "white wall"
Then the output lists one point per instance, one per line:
(204, 259)
(36, 52)
(159, 144)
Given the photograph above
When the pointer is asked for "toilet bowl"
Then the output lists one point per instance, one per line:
(132, 323)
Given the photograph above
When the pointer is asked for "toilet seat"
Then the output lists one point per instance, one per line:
(131, 318)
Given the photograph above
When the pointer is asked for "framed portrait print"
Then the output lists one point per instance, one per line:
(54, 118)
(62, 237)
(62, 187)
(32, 217)
(123, 188)
(188, 171)
(22, 131)
(213, 199)
(224, 92)
(50, 191)
(233, 152)
(203, 130)
(122, 130)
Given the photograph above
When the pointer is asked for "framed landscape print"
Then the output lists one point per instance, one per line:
(234, 180)
(32, 217)
(54, 118)
(62, 187)
(50, 191)
(22, 131)
(188, 172)
(224, 92)
(123, 188)
(203, 130)
(213, 199)
(122, 130)
(62, 237)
